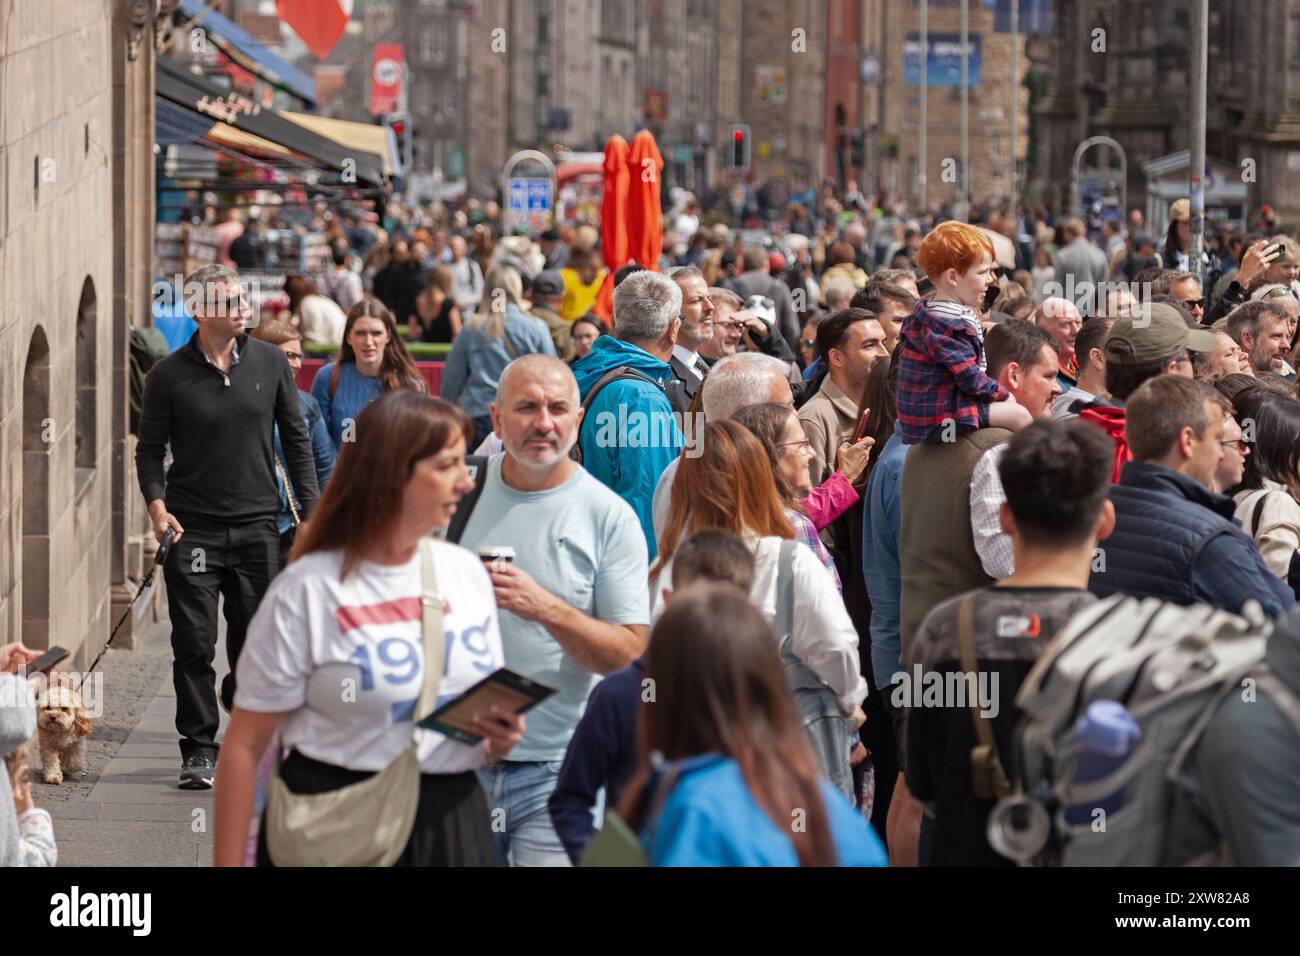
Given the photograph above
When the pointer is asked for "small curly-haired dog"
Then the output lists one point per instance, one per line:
(62, 726)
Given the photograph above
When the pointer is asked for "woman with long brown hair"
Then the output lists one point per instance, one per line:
(336, 655)
(372, 361)
(731, 487)
(727, 777)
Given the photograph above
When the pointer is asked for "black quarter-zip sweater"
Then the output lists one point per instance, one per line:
(220, 427)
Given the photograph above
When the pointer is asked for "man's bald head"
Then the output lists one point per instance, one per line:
(533, 368)
(536, 415)
(1060, 319)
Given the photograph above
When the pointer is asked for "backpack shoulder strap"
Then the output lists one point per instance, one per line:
(478, 469)
(990, 769)
(609, 378)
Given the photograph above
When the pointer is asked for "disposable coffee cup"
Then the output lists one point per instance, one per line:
(496, 555)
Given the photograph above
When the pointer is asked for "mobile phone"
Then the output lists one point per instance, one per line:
(47, 661)
(504, 688)
(1275, 252)
(862, 426)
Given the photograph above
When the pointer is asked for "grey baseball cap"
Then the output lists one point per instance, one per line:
(1153, 332)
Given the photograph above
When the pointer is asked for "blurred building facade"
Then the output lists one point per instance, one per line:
(1131, 81)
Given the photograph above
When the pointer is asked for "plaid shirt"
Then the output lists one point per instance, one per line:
(805, 533)
(941, 372)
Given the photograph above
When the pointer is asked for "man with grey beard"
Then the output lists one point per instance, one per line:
(697, 328)
(574, 601)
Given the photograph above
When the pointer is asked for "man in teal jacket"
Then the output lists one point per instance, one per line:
(629, 433)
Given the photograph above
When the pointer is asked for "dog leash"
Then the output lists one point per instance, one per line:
(163, 548)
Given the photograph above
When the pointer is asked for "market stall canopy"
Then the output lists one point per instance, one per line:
(197, 94)
(246, 51)
(364, 137)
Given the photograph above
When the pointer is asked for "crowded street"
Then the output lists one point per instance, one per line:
(631, 434)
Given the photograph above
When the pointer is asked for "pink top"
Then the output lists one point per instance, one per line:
(829, 500)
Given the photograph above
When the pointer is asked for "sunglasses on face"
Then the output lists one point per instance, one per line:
(1194, 303)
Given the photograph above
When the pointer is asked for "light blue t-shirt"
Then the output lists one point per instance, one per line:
(582, 543)
(711, 819)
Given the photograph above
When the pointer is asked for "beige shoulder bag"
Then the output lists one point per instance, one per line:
(366, 823)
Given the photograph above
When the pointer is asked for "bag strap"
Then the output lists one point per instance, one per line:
(785, 591)
(288, 490)
(966, 649)
(431, 620)
(1255, 514)
(478, 469)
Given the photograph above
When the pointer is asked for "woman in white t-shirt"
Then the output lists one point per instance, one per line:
(334, 655)
(731, 487)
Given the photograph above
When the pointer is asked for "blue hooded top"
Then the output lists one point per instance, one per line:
(629, 435)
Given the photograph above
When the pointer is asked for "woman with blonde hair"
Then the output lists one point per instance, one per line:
(372, 361)
(731, 487)
(500, 332)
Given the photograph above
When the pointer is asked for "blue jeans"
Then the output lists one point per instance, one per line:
(522, 831)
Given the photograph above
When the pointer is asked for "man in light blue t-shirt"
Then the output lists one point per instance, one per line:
(574, 604)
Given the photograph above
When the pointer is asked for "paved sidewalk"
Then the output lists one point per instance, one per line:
(126, 810)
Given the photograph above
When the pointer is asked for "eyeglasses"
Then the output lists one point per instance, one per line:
(808, 343)
(1238, 443)
(293, 356)
(1194, 303)
(797, 444)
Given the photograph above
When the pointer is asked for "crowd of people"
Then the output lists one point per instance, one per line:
(728, 508)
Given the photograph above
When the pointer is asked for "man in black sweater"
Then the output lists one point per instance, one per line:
(216, 400)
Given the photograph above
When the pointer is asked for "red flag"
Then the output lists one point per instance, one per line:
(385, 77)
(320, 23)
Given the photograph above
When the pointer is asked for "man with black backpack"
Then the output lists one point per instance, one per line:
(629, 433)
(574, 601)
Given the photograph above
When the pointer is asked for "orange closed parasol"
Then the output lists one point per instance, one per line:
(645, 221)
(613, 221)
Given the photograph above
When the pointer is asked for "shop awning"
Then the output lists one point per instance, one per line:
(242, 47)
(366, 137)
(197, 94)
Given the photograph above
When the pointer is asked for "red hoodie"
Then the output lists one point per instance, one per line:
(1111, 421)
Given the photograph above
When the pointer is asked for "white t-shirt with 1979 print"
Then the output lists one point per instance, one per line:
(344, 660)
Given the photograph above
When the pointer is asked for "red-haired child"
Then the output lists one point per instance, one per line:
(943, 389)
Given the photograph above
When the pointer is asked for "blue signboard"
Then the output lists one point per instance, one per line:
(944, 60)
(1035, 16)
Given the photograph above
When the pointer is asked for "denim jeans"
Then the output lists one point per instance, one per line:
(522, 832)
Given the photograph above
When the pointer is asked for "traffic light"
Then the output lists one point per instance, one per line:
(858, 153)
(400, 124)
(738, 148)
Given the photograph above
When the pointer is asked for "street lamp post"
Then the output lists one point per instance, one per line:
(1200, 44)
(924, 59)
(965, 102)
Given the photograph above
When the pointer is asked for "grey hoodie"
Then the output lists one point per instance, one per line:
(17, 724)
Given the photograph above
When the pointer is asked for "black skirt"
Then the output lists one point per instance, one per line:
(452, 826)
